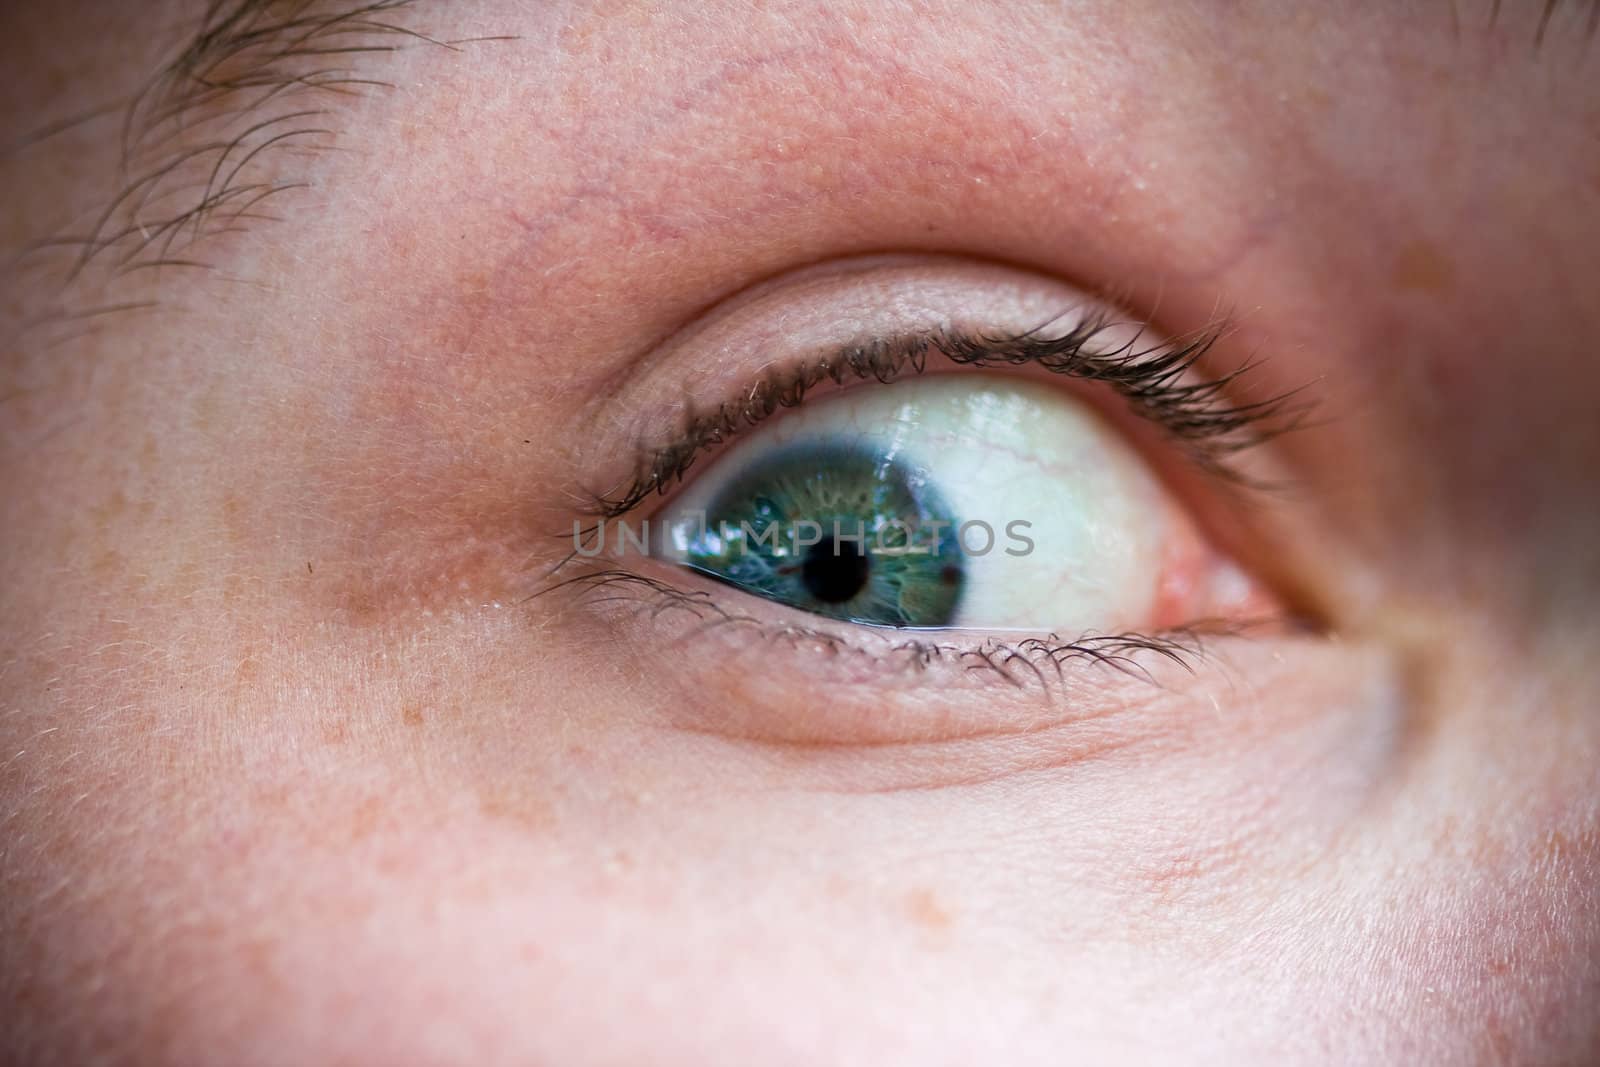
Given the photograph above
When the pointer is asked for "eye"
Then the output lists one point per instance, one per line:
(971, 499)
(958, 468)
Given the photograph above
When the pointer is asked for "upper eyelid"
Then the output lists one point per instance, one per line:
(1154, 378)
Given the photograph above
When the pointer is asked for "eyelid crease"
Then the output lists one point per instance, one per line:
(1152, 378)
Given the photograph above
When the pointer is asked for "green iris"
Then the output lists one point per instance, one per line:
(836, 530)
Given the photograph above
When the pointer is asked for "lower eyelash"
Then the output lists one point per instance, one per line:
(1028, 661)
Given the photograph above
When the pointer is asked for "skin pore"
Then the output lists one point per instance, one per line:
(296, 767)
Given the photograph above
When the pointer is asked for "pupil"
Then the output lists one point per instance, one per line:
(835, 572)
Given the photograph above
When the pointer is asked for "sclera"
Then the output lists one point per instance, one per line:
(1004, 451)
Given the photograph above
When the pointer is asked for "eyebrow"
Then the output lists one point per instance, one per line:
(209, 140)
(260, 80)
(1590, 20)
(269, 57)
(279, 64)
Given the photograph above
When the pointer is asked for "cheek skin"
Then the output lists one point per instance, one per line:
(481, 870)
(462, 881)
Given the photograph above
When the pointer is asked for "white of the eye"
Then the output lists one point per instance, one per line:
(1003, 450)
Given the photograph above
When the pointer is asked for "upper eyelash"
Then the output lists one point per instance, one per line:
(1150, 378)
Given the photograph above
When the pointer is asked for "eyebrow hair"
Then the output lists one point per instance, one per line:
(258, 80)
(203, 143)
(1580, 13)
(256, 58)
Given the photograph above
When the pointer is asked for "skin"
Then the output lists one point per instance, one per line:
(292, 770)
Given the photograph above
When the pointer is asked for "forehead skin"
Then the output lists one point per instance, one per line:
(287, 774)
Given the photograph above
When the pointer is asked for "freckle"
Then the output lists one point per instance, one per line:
(926, 910)
(109, 564)
(360, 606)
(110, 509)
(232, 512)
(273, 798)
(205, 411)
(529, 811)
(1422, 268)
(411, 715)
(365, 819)
(336, 732)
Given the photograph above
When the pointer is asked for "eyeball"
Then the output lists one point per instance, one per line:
(959, 500)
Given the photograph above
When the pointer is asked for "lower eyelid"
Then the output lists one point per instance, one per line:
(867, 685)
(1309, 707)
(870, 716)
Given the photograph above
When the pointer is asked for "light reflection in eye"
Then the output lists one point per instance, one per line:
(953, 500)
